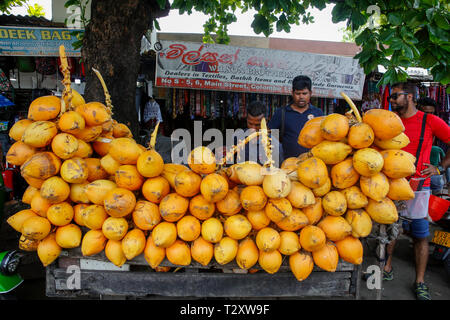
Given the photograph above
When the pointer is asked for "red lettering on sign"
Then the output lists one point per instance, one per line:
(176, 52)
(192, 57)
(209, 57)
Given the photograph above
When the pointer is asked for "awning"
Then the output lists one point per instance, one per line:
(5, 102)
(414, 73)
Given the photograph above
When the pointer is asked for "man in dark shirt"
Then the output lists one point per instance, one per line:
(290, 119)
(254, 150)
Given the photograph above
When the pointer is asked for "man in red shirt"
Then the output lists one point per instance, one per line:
(403, 102)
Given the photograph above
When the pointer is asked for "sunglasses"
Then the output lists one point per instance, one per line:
(394, 96)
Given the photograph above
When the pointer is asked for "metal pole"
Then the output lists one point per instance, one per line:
(382, 256)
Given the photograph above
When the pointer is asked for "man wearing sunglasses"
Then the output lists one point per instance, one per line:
(403, 102)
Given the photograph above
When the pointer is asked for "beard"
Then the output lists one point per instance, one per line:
(400, 107)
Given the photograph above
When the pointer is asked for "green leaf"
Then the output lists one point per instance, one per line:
(387, 35)
(157, 27)
(358, 19)
(71, 3)
(441, 22)
(260, 24)
(427, 60)
(340, 12)
(394, 18)
(396, 44)
(429, 14)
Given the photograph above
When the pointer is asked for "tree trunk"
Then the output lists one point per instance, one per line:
(112, 44)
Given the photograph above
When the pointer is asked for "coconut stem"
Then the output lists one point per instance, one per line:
(229, 155)
(352, 105)
(109, 105)
(66, 100)
(266, 142)
(153, 137)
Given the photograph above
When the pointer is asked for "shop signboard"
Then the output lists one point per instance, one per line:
(193, 65)
(37, 42)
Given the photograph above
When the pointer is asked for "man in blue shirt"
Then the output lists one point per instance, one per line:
(290, 119)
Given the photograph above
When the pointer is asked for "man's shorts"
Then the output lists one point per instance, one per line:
(417, 228)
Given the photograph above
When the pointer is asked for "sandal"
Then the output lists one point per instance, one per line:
(388, 276)
(422, 291)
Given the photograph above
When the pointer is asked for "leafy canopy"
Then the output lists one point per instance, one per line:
(409, 33)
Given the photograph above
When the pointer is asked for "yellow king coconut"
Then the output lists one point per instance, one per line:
(331, 152)
(109, 164)
(356, 199)
(170, 170)
(335, 228)
(187, 183)
(36, 228)
(385, 124)
(201, 160)
(125, 150)
(334, 127)
(229, 205)
(375, 187)
(40, 134)
(295, 221)
(71, 122)
(188, 228)
(323, 190)
(277, 184)
(29, 193)
(314, 212)
(278, 209)
(96, 191)
(115, 228)
(397, 142)
(312, 172)
(48, 250)
(400, 189)
(95, 170)
(268, 239)
(214, 187)
(146, 215)
(173, 207)
(153, 254)
(368, 162)
(300, 195)
(202, 251)
(28, 244)
(301, 264)
(253, 198)
(44, 108)
(200, 208)
(350, 249)
(258, 219)
(60, 214)
(289, 244)
(212, 230)
(41, 165)
(16, 220)
(119, 202)
(18, 128)
(179, 253)
(133, 243)
(150, 164)
(68, 236)
(312, 238)
(398, 164)
(360, 136)
(114, 252)
(94, 113)
(128, 177)
(55, 190)
(250, 173)
(164, 234)
(64, 145)
(225, 250)
(270, 261)
(247, 254)
(94, 216)
(74, 170)
(344, 175)
(360, 222)
(310, 135)
(327, 257)
(93, 242)
(237, 226)
(19, 153)
(383, 211)
(334, 203)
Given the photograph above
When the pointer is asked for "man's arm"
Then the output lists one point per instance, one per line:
(442, 131)
(445, 163)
